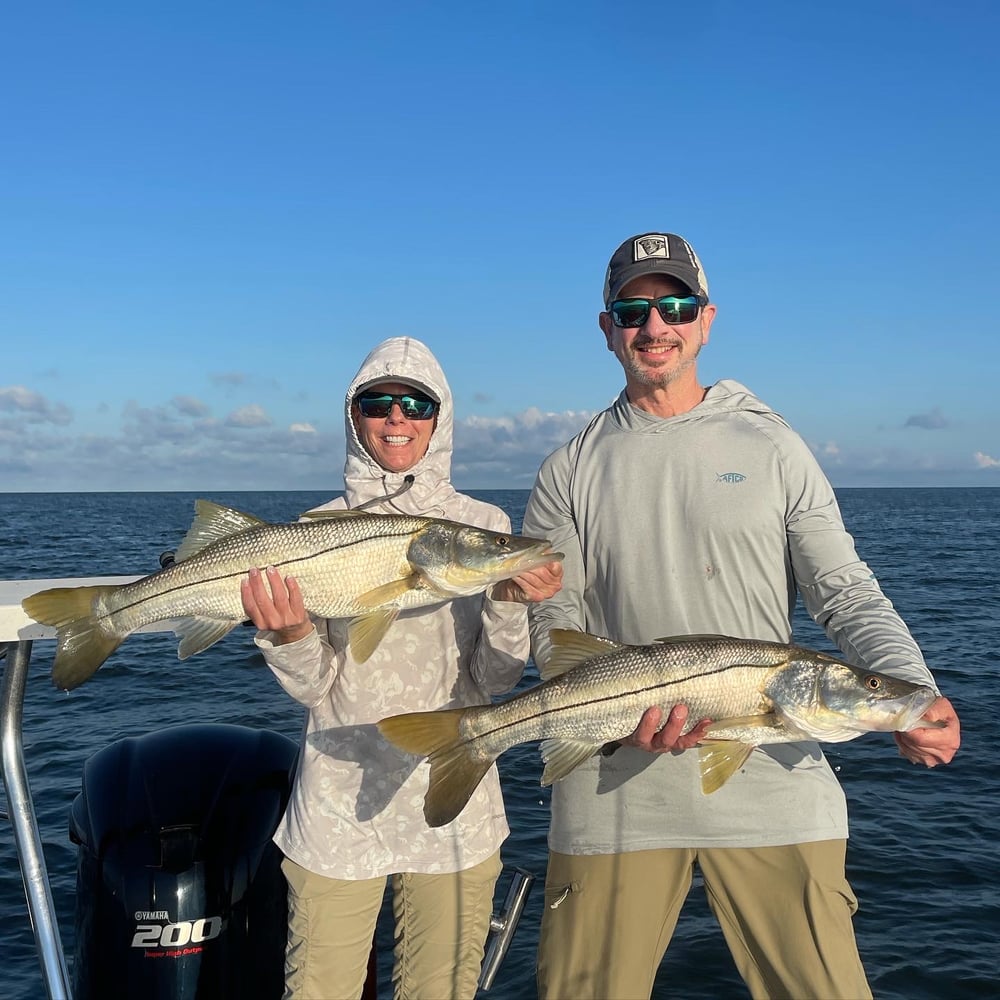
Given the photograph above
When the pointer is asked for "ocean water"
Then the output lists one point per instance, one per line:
(922, 857)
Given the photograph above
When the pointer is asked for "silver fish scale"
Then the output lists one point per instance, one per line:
(603, 698)
(334, 561)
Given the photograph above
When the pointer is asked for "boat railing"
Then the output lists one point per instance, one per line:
(17, 635)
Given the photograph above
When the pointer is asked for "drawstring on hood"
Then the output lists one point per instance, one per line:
(426, 487)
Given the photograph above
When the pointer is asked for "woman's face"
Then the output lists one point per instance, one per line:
(395, 441)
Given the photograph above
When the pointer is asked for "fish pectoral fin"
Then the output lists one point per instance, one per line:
(197, 634)
(766, 721)
(571, 648)
(719, 760)
(365, 632)
(389, 593)
(562, 756)
(211, 522)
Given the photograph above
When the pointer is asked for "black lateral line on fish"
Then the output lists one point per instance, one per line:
(661, 686)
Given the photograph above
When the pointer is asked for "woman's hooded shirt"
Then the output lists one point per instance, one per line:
(356, 809)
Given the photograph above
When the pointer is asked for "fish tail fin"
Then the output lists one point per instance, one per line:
(81, 645)
(455, 768)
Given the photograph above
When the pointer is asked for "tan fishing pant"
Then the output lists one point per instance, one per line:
(441, 927)
(785, 913)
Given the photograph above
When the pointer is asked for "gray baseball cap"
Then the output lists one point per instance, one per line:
(654, 253)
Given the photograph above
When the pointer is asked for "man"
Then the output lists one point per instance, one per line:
(681, 510)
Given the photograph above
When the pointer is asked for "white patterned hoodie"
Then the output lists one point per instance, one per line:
(356, 809)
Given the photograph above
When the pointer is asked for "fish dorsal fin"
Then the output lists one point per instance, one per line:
(562, 756)
(365, 632)
(719, 760)
(571, 648)
(211, 522)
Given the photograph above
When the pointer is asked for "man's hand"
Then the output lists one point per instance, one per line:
(275, 605)
(650, 736)
(533, 585)
(932, 746)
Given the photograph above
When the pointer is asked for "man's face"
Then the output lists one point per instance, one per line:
(396, 442)
(657, 354)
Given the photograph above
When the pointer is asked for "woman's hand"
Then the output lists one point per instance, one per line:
(275, 605)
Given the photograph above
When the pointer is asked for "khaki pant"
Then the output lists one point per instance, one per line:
(441, 927)
(785, 913)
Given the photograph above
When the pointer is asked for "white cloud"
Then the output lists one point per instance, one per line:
(249, 416)
(302, 429)
(984, 461)
(33, 405)
(190, 406)
(934, 420)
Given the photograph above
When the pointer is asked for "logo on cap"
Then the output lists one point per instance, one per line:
(650, 246)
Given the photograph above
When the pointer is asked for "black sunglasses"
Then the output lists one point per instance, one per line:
(414, 405)
(674, 310)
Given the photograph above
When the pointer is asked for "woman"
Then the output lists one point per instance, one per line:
(355, 816)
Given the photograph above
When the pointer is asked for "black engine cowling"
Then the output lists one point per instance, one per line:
(179, 888)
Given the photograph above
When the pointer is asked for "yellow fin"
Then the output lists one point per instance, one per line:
(455, 772)
(571, 648)
(81, 645)
(766, 721)
(719, 760)
(365, 632)
(562, 756)
(197, 634)
(388, 593)
(211, 522)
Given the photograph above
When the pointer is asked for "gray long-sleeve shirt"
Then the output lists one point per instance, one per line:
(708, 522)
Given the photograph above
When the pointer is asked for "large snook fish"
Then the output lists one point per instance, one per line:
(595, 691)
(349, 564)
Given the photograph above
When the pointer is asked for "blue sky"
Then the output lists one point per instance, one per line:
(211, 212)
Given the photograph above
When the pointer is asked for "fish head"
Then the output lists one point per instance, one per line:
(834, 702)
(457, 559)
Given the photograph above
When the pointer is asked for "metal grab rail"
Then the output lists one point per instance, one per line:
(25, 825)
(502, 927)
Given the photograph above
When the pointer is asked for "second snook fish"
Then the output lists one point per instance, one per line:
(594, 691)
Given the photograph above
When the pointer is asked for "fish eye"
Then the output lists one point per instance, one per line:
(503, 540)
(873, 683)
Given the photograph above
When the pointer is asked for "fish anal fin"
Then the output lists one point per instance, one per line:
(571, 648)
(562, 756)
(719, 760)
(212, 521)
(388, 593)
(365, 632)
(197, 634)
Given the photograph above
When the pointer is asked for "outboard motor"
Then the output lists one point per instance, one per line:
(179, 888)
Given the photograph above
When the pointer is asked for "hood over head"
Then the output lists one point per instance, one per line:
(402, 359)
